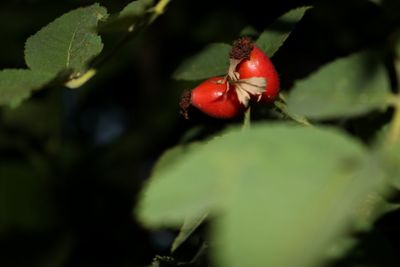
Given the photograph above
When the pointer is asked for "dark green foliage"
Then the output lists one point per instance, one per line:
(110, 175)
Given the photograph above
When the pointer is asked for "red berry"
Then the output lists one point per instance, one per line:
(259, 65)
(213, 98)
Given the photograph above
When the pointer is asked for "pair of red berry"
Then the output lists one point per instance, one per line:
(251, 77)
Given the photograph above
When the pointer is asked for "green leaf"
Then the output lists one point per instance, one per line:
(17, 84)
(129, 16)
(371, 208)
(212, 61)
(168, 160)
(273, 189)
(347, 87)
(136, 8)
(300, 208)
(57, 254)
(21, 117)
(188, 227)
(273, 38)
(69, 42)
(282, 107)
(396, 47)
(376, 2)
(249, 31)
(25, 203)
(390, 157)
(172, 156)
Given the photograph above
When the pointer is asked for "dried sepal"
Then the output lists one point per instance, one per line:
(243, 97)
(240, 51)
(245, 88)
(232, 73)
(254, 85)
(185, 103)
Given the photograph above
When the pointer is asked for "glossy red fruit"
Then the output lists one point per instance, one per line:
(259, 65)
(213, 98)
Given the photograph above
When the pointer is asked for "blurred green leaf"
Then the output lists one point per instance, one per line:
(188, 227)
(249, 31)
(313, 185)
(390, 157)
(377, 2)
(397, 48)
(167, 161)
(347, 87)
(263, 204)
(24, 200)
(68, 42)
(211, 61)
(370, 208)
(136, 8)
(171, 157)
(17, 84)
(58, 254)
(274, 37)
(128, 17)
(21, 117)
(282, 107)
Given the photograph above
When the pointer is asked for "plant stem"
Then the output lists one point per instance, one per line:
(199, 253)
(247, 119)
(394, 132)
(78, 82)
(283, 109)
(159, 9)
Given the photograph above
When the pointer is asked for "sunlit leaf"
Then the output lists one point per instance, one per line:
(275, 190)
(68, 42)
(312, 189)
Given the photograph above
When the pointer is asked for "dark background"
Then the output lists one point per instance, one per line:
(73, 161)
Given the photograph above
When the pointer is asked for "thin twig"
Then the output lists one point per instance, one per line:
(199, 253)
(159, 9)
(395, 127)
(283, 109)
(247, 119)
(394, 130)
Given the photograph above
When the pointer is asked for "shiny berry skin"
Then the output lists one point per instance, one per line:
(213, 98)
(259, 65)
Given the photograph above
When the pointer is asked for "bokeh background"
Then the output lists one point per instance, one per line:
(73, 161)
